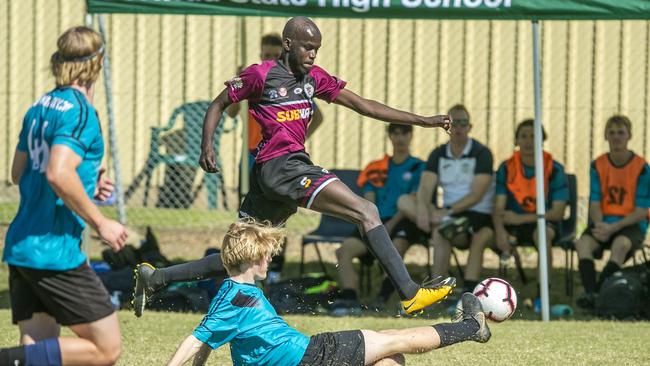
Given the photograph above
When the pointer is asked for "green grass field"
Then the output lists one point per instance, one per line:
(523, 340)
(152, 339)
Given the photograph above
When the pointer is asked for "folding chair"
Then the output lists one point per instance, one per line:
(565, 239)
(192, 114)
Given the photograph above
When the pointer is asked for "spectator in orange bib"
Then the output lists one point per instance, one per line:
(619, 199)
(515, 203)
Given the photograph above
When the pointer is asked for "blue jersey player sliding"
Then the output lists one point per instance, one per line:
(242, 316)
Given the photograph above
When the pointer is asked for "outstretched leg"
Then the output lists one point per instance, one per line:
(149, 279)
(386, 343)
(337, 199)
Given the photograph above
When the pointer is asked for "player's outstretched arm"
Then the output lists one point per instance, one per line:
(190, 346)
(374, 109)
(202, 355)
(211, 120)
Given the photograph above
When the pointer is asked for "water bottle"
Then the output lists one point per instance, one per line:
(115, 299)
(561, 310)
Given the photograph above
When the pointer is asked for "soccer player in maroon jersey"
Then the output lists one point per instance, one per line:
(280, 95)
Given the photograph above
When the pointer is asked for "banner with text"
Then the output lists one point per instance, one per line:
(413, 9)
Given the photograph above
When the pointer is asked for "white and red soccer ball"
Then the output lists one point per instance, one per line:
(497, 297)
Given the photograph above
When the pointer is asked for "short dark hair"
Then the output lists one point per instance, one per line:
(394, 127)
(528, 123)
(272, 39)
(619, 120)
(460, 107)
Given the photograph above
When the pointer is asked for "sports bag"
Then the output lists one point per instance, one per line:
(624, 295)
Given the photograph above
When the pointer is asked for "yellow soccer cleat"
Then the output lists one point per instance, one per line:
(429, 294)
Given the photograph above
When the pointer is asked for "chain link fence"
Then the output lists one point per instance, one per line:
(165, 69)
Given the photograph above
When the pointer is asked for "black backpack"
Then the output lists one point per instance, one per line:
(625, 294)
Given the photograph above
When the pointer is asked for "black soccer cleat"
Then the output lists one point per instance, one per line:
(143, 289)
(472, 309)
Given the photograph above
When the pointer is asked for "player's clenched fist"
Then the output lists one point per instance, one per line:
(443, 121)
(112, 233)
(207, 160)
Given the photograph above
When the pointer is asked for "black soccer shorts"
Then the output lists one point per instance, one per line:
(75, 296)
(280, 185)
(346, 348)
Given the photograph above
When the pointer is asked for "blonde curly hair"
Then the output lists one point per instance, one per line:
(249, 241)
(79, 56)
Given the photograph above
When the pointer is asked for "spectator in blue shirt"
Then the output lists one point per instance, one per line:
(515, 203)
(383, 182)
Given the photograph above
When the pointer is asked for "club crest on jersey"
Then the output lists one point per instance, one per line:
(282, 91)
(273, 94)
(309, 90)
(236, 83)
(297, 91)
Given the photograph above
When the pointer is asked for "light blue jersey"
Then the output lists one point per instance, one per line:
(403, 178)
(45, 234)
(241, 315)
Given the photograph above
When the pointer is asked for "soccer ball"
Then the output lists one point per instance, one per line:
(497, 297)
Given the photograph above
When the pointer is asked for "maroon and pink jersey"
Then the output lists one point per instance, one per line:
(281, 103)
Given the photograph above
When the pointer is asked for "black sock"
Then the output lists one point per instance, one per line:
(609, 270)
(207, 267)
(380, 245)
(451, 333)
(12, 356)
(469, 285)
(386, 289)
(588, 275)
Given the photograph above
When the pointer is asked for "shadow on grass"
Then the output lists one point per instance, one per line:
(525, 292)
(5, 299)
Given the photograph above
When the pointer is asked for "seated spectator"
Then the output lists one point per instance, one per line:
(619, 199)
(515, 204)
(383, 182)
(463, 169)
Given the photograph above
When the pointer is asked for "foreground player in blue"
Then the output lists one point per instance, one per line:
(57, 167)
(242, 316)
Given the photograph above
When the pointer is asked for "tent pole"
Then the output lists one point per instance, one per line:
(539, 180)
(112, 138)
(244, 171)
